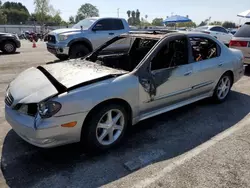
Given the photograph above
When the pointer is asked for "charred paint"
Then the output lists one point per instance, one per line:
(150, 81)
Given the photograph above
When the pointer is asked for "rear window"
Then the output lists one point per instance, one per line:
(244, 31)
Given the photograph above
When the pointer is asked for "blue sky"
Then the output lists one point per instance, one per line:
(197, 10)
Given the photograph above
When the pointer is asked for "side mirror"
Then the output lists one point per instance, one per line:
(97, 27)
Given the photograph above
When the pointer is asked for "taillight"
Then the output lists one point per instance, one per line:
(206, 32)
(238, 43)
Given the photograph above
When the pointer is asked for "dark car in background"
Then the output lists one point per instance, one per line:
(9, 43)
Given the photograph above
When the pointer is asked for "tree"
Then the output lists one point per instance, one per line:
(228, 24)
(129, 13)
(71, 20)
(42, 9)
(14, 13)
(202, 24)
(216, 23)
(3, 17)
(157, 22)
(85, 11)
(186, 24)
(137, 17)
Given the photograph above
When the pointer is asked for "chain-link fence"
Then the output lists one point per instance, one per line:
(19, 29)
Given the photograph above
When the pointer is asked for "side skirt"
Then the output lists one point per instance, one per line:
(172, 107)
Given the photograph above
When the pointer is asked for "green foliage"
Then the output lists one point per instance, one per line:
(14, 13)
(215, 23)
(3, 17)
(157, 22)
(85, 11)
(71, 20)
(228, 24)
(186, 24)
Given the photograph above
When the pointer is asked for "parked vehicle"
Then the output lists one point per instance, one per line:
(241, 41)
(85, 36)
(233, 31)
(218, 32)
(95, 99)
(9, 43)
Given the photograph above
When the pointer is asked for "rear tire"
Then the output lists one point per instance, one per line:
(104, 131)
(223, 88)
(9, 47)
(78, 51)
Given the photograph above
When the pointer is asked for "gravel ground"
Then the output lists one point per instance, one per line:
(200, 145)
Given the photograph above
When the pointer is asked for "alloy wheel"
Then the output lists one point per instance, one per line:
(8, 47)
(223, 87)
(110, 127)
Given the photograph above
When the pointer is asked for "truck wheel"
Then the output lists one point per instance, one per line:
(78, 50)
(62, 57)
(9, 47)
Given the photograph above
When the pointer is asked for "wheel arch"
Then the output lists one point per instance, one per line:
(118, 101)
(3, 41)
(84, 41)
(230, 72)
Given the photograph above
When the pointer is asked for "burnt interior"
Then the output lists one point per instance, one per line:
(124, 56)
(203, 48)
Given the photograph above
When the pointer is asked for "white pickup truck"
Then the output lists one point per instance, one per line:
(85, 36)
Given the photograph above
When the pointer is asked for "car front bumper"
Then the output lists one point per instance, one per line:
(58, 49)
(18, 43)
(49, 132)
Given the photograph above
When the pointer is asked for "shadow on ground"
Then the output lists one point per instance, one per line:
(175, 132)
(1, 53)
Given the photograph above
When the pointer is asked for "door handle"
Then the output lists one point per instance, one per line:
(188, 73)
(220, 64)
(111, 33)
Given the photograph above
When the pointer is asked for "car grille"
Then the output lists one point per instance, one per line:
(9, 99)
(51, 39)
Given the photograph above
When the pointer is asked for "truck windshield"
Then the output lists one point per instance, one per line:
(86, 23)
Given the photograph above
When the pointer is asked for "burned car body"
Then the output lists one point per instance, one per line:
(96, 98)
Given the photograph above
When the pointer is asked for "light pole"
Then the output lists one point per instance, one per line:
(118, 10)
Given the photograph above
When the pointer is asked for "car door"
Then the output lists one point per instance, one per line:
(216, 32)
(207, 70)
(169, 78)
(225, 35)
(104, 30)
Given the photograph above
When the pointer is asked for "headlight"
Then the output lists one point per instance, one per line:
(63, 37)
(48, 109)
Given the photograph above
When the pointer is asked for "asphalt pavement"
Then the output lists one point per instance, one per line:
(199, 145)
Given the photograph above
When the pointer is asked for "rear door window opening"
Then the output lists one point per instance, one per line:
(204, 48)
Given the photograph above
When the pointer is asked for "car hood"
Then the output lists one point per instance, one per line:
(66, 30)
(37, 84)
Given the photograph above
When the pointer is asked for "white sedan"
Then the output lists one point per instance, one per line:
(218, 32)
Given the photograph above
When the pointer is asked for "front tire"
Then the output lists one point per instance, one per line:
(78, 51)
(223, 88)
(9, 47)
(105, 128)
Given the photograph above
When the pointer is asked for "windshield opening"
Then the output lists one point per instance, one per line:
(123, 52)
(86, 23)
